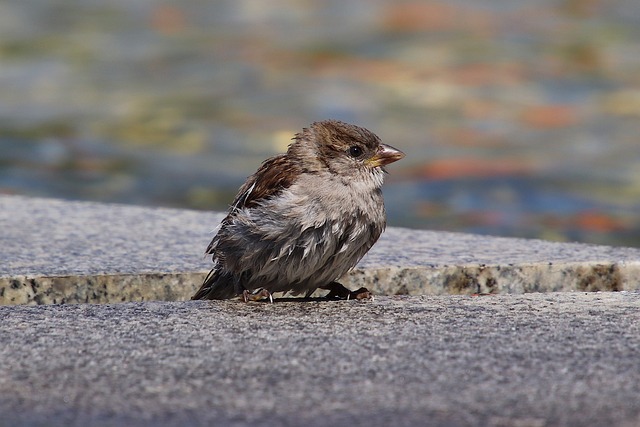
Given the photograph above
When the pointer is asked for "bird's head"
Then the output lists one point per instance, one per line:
(343, 149)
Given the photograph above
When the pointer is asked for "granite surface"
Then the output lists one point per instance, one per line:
(529, 360)
(56, 251)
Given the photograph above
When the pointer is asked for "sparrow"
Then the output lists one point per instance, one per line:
(304, 218)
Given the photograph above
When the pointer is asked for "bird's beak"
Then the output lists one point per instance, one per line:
(386, 154)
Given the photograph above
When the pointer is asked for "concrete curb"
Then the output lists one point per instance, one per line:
(56, 251)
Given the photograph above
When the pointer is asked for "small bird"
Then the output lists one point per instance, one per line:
(304, 218)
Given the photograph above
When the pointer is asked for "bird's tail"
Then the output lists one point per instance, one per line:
(216, 285)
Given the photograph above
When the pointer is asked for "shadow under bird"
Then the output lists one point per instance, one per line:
(304, 218)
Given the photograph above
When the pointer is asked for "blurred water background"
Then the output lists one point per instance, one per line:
(519, 118)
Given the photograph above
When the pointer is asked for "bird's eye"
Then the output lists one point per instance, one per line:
(355, 151)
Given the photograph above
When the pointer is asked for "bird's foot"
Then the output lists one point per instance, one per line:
(358, 294)
(338, 291)
(257, 295)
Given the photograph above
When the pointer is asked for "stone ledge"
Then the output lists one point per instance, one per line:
(556, 359)
(57, 251)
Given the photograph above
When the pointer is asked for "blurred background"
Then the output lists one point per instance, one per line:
(519, 118)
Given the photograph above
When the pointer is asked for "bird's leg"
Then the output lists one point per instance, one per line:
(256, 295)
(337, 290)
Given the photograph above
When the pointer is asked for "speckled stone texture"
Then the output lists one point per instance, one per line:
(56, 251)
(533, 360)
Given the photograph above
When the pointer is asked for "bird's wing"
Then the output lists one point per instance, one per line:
(273, 176)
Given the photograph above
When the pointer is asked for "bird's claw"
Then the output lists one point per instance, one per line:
(338, 291)
(362, 293)
(257, 295)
